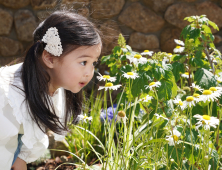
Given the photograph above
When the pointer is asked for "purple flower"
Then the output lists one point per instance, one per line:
(109, 113)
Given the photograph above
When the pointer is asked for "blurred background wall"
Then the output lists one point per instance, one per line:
(146, 24)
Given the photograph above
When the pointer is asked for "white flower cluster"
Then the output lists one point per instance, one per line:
(53, 42)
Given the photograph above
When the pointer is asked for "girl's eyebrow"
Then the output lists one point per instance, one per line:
(82, 56)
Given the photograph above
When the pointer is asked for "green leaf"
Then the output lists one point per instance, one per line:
(158, 72)
(206, 29)
(194, 33)
(165, 90)
(139, 83)
(105, 58)
(213, 161)
(185, 32)
(193, 133)
(177, 69)
(213, 25)
(117, 50)
(204, 78)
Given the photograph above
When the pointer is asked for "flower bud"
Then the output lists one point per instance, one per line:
(121, 113)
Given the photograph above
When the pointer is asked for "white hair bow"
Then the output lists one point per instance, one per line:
(53, 42)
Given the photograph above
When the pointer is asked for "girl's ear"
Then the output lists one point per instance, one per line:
(48, 59)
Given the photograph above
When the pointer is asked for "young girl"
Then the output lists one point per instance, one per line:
(45, 90)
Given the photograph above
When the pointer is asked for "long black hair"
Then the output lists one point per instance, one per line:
(74, 31)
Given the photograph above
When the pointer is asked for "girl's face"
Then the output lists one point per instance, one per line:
(76, 69)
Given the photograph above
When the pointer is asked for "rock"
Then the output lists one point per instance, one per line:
(159, 5)
(14, 3)
(106, 8)
(213, 12)
(220, 48)
(9, 47)
(189, 0)
(64, 158)
(111, 32)
(74, 4)
(176, 13)
(141, 18)
(217, 39)
(60, 145)
(6, 20)
(167, 37)
(83, 11)
(43, 4)
(25, 24)
(141, 41)
(42, 15)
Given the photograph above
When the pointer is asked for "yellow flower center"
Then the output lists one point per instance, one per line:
(207, 92)
(178, 46)
(179, 41)
(213, 89)
(121, 113)
(180, 103)
(84, 117)
(169, 53)
(106, 76)
(152, 83)
(187, 73)
(189, 99)
(146, 51)
(109, 85)
(137, 56)
(196, 95)
(193, 56)
(130, 73)
(206, 117)
(218, 81)
(175, 137)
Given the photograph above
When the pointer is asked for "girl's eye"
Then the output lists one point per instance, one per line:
(83, 63)
(95, 63)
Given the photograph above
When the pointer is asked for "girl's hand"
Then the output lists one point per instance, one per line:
(19, 164)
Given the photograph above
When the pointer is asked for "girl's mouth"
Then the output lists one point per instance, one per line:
(82, 84)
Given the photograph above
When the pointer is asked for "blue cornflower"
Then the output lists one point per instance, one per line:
(109, 113)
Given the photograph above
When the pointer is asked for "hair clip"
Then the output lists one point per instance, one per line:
(53, 42)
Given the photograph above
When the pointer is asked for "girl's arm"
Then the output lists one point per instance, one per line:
(19, 164)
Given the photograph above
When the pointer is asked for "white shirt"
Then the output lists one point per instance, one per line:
(15, 119)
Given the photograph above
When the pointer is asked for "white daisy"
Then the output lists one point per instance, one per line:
(196, 97)
(85, 118)
(137, 59)
(173, 138)
(109, 86)
(153, 84)
(206, 121)
(209, 95)
(178, 49)
(106, 77)
(179, 102)
(145, 99)
(189, 102)
(179, 42)
(169, 55)
(147, 52)
(121, 116)
(186, 75)
(131, 75)
(218, 78)
(196, 87)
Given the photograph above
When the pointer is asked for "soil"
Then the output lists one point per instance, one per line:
(51, 164)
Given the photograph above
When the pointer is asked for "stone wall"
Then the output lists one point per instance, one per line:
(146, 24)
